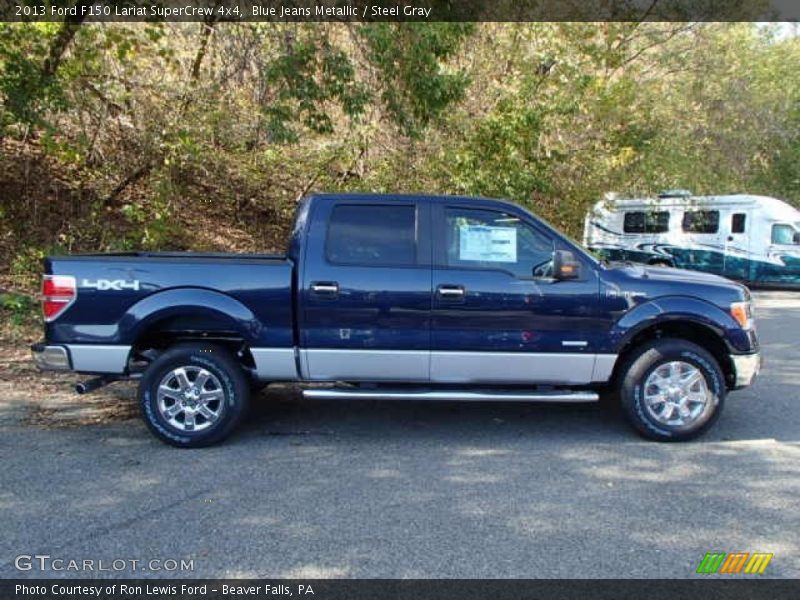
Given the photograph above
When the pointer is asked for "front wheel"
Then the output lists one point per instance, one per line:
(193, 395)
(672, 390)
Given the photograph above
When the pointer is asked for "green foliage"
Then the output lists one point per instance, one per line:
(416, 86)
(503, 157)
(151, 132)
(18, 309)
(309, 76)
(26, 267)
(152, 223)
(783, 179)
(25, 91)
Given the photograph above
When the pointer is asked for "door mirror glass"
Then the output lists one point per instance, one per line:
(565, 265)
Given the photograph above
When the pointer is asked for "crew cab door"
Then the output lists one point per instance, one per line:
(498, 314)
(365, 291)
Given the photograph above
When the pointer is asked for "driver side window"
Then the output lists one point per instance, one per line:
(486, 239)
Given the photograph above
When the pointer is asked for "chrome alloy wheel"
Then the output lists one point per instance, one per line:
(676, 394)
(190, 398)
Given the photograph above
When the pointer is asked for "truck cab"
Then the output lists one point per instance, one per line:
(393, 296)
(456, 291)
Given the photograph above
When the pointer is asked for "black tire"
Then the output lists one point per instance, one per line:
(228, 386)
(643, 363)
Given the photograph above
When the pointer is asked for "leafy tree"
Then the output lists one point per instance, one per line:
(139, 135)
(416, 87)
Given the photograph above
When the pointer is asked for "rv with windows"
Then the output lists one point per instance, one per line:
(754, 239)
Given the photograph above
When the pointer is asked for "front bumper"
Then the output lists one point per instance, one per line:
(51, 358)
(746, 368)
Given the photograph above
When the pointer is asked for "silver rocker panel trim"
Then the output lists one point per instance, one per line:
(275, 364)
(455, 366)
(521, 367)
(365, 365)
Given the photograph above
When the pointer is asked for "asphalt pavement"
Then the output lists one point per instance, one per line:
(415, 490)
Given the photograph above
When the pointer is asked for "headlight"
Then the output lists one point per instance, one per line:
(743, 313)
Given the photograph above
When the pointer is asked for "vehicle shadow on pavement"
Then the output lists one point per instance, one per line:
(293, 415)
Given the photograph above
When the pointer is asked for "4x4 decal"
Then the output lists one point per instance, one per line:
(110, 284)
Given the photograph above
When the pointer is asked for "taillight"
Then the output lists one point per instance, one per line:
(58, 293)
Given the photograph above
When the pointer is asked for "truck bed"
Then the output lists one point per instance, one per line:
(119, 293)
(178, 255)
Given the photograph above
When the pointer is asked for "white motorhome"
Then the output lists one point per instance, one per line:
(754, 239)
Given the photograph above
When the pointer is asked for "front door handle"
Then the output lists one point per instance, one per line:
(451, 291)
(326, 288)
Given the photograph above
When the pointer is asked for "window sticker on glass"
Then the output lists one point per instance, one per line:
(487, 244)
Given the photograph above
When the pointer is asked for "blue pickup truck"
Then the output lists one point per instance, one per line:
(400, 297)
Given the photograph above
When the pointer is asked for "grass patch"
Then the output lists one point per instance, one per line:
(19, 315)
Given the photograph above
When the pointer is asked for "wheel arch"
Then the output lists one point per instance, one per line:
(678, 317)
(187, 314)
(699, 333)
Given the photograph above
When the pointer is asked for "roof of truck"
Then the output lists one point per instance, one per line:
(402, 197)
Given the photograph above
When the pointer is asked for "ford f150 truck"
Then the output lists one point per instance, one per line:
(401, 297)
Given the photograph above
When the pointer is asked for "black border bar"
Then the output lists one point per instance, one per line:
(752, 588)
(398, 10)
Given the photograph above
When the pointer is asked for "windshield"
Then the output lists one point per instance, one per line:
(784, 234)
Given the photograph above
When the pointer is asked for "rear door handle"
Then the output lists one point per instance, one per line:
(325, 288)
(451, 291)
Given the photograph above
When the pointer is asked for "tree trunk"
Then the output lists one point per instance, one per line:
(62, 40)
(208, 28)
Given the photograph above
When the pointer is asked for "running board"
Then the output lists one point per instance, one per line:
(460, 396)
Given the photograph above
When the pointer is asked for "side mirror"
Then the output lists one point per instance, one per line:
(565, 265)
(796, 238)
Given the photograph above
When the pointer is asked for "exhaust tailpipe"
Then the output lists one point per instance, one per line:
(96, 383)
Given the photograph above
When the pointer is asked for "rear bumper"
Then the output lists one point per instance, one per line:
(83, 358)
(51, 358)
(746, 368)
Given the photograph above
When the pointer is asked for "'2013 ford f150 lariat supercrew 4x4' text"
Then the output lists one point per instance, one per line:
(401, 297)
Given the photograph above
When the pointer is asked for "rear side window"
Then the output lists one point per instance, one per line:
(738, 222)
(365, 234)
(701, 221)
(646, 222)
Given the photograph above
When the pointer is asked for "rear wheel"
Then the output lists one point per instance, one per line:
(193, 395)
(672, 390)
